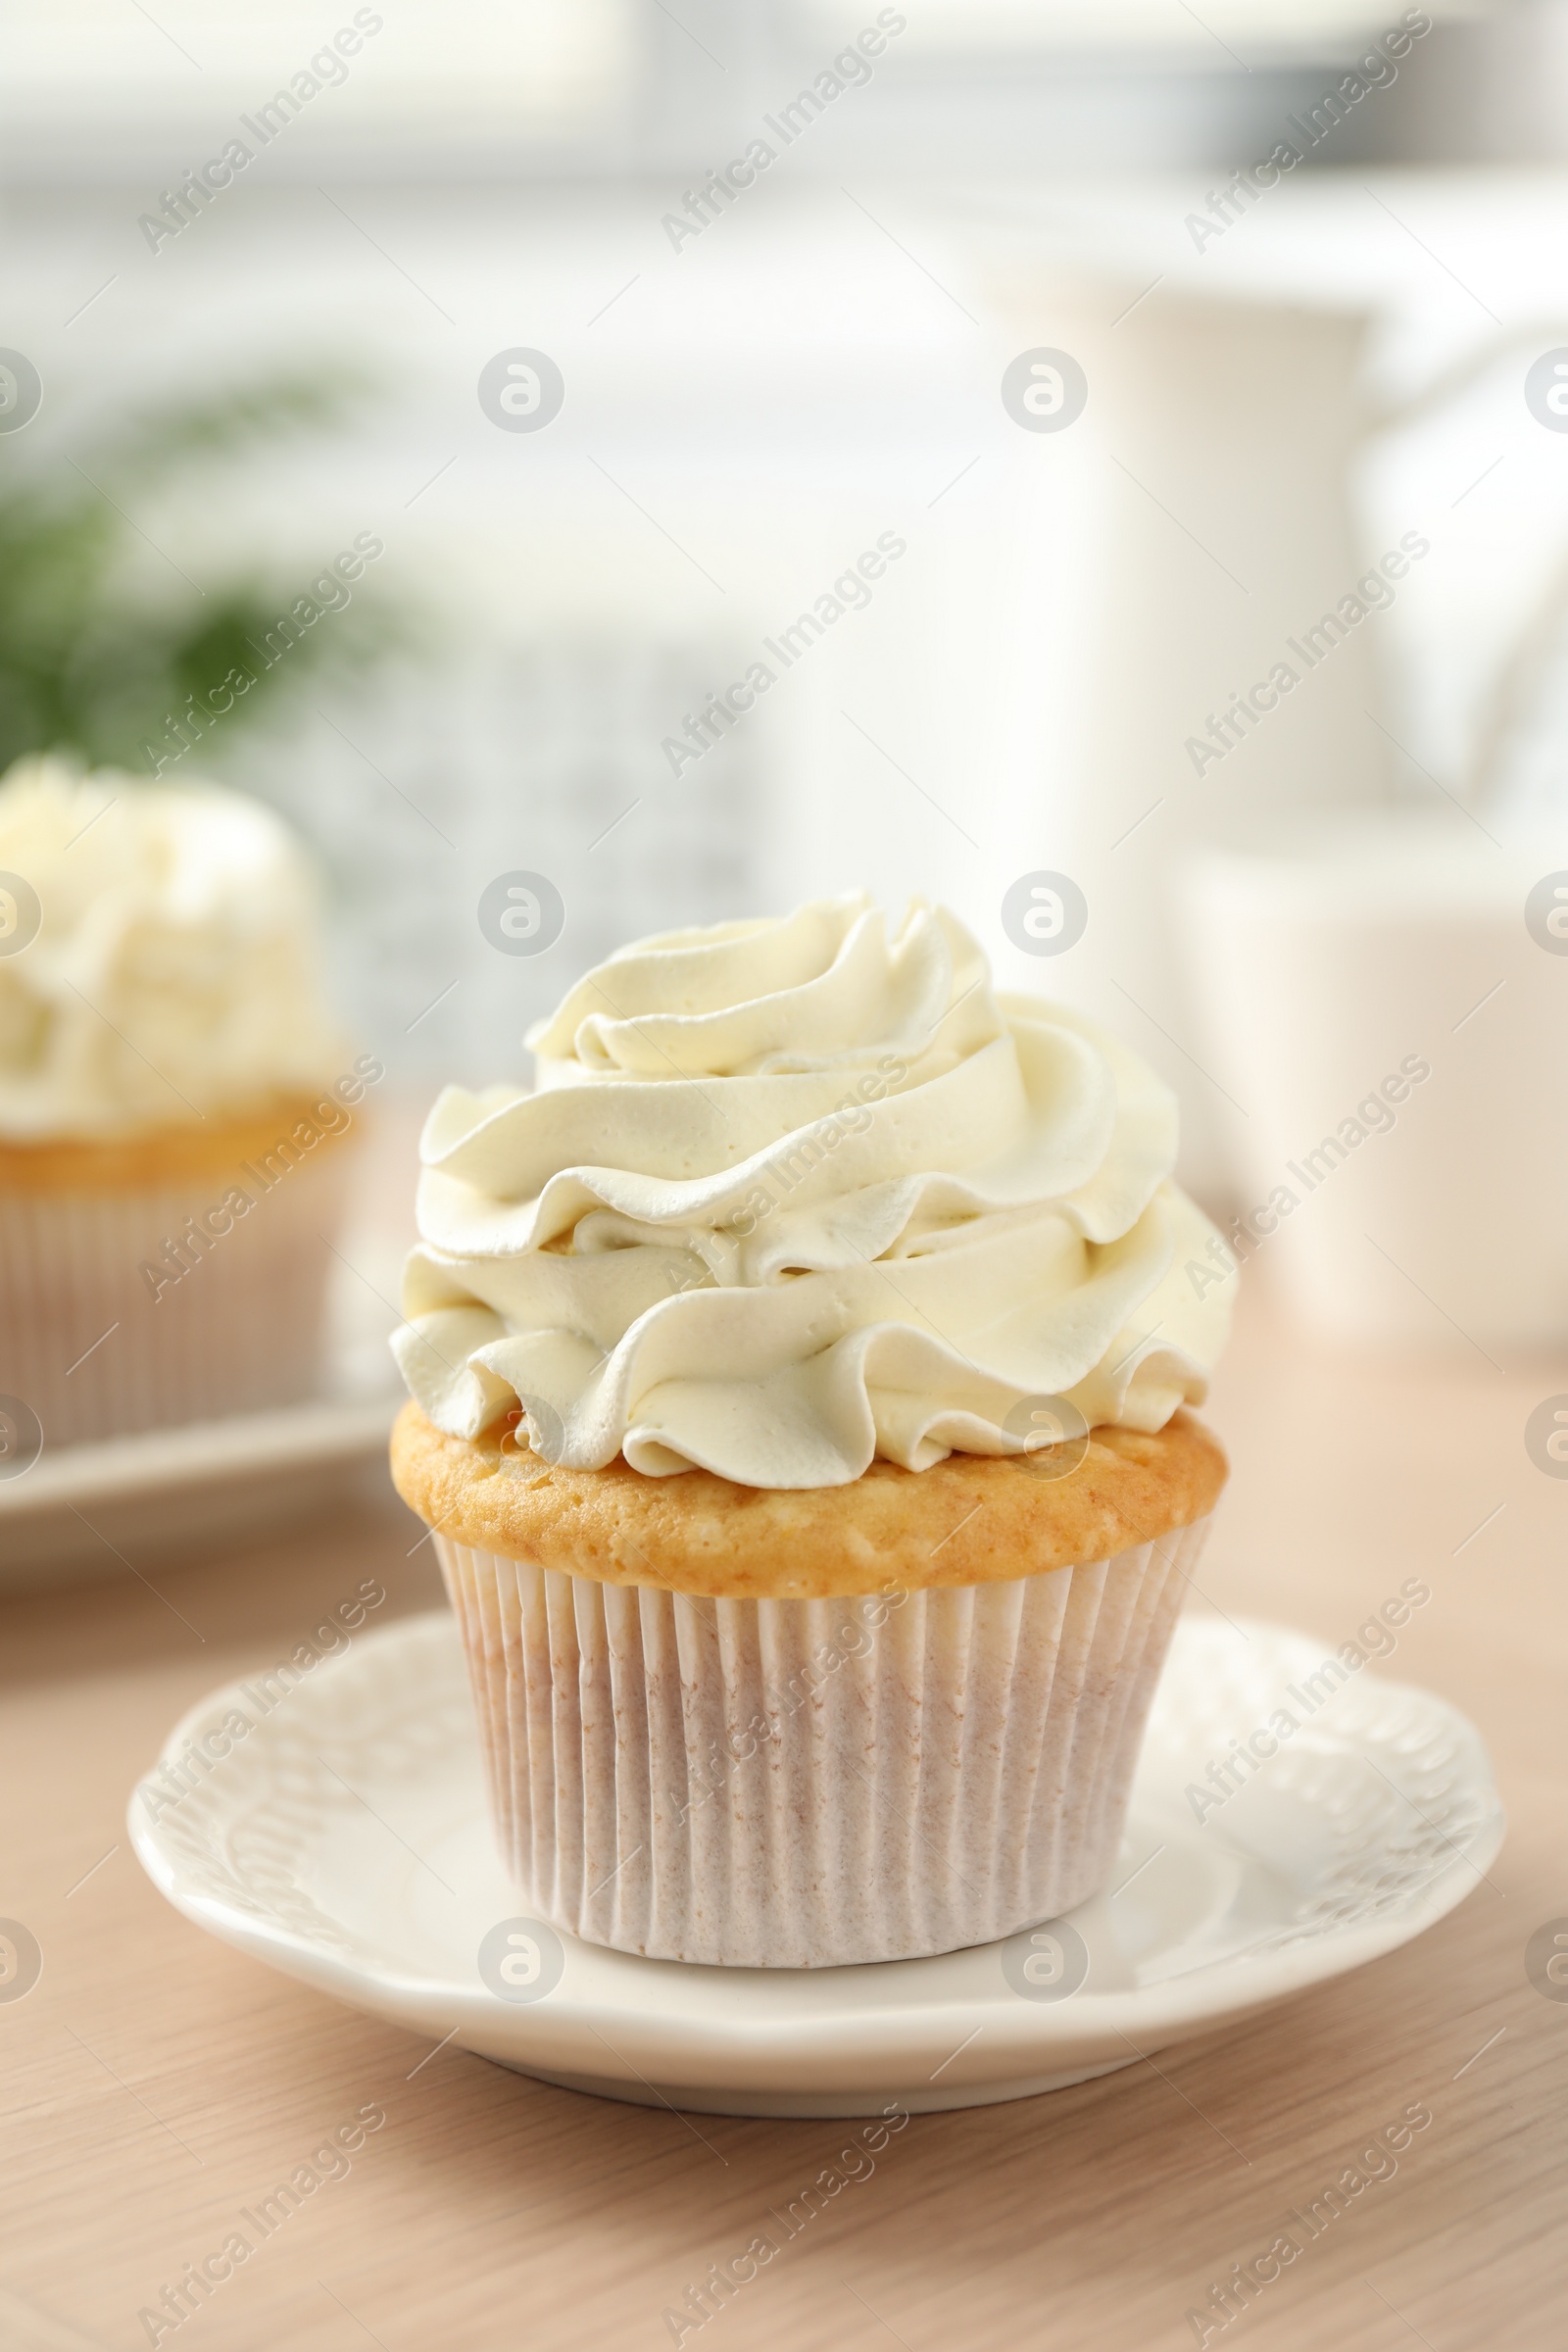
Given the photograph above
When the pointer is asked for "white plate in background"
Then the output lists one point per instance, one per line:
(87, 1511)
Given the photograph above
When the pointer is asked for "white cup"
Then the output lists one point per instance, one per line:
(1384, 1008)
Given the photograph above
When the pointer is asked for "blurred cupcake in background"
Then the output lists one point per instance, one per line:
(174, 1103)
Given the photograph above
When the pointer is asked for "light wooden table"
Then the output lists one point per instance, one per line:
(154, 2082)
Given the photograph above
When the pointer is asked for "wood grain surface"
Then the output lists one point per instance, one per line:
(155, 2081)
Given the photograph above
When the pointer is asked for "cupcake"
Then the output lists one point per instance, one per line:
(174, 1100)
(798, 1382)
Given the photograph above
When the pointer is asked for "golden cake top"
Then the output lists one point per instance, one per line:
(968, 1520)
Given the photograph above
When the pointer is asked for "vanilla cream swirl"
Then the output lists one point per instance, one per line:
(163, 963)
(789, 1195)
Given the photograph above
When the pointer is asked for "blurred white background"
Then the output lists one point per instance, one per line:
(1275, 399)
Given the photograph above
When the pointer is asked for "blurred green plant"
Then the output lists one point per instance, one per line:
(93, 661)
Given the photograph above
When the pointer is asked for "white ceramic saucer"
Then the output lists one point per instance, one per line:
(344, 1839)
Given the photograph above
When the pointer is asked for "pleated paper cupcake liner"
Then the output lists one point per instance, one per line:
(800, 1784)
(93, 1354)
